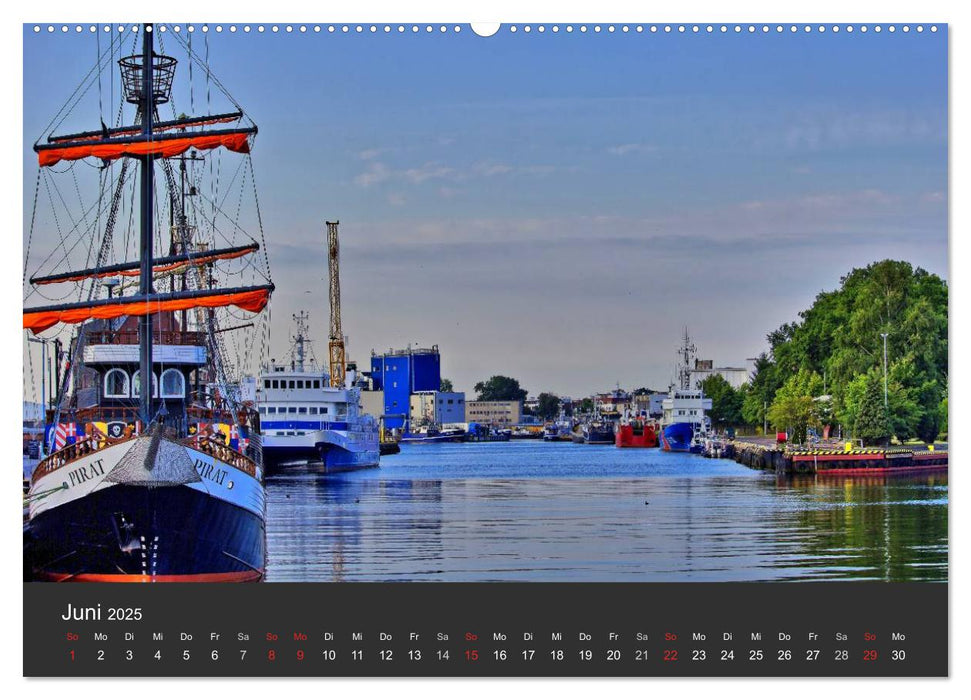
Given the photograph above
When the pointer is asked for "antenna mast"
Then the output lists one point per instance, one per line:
(300, 339)
(338, 365)
(686, 354)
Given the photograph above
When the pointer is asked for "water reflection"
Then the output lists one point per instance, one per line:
(576, 513)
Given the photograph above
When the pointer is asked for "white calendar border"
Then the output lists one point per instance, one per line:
(602, 11)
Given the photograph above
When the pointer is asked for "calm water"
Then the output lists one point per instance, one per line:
(534, 511)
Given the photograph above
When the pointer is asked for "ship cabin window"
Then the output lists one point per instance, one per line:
(302, 409)
(293, 384)
(300, 384)
(266, 383)
(116, 384)
(316, 384)
(323, 409)
(271, 409)
(276, 383)
(173, 384)
(313, 410)
(291, 409)
(136, 385)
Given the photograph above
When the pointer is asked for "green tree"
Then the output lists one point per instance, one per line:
(446, 385)
(839, 338)
(726, 402)
(760, 391)
(500, 388)
(549, 406)
(794, 407)
(942, 417)
(872, 425)
(848, 410)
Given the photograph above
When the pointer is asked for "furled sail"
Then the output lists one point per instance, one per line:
(164, 145)
(252, 299)
(161, 265)
(133, 130)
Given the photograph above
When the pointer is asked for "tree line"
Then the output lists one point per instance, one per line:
(827, 368)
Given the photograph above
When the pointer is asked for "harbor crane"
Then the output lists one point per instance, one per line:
(338, 364)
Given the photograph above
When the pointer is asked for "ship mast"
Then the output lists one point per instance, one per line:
(300, 339)
(686, 354)
(147, 107)
(147, 83)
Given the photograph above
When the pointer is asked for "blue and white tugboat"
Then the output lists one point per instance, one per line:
(308, 422)
(685, 425)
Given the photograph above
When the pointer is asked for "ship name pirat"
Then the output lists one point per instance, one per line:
(82, 474)
(210, 472)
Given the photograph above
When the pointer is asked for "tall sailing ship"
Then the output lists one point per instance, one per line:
(159, 479)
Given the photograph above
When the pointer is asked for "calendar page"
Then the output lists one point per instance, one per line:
(542, 349)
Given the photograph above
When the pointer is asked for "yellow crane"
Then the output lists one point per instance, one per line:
(338, 364)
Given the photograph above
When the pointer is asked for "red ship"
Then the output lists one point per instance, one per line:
(636, 433)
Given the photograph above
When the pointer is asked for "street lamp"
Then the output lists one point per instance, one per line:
(884, 336)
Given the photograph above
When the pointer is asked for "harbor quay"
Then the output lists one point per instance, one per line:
(832, 459)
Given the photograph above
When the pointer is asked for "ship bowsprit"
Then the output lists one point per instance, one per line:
(154, 461)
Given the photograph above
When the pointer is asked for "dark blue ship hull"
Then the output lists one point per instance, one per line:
(678, 437)
(324, 458)
(139, 534)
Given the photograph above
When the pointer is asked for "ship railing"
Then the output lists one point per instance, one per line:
(170, 337)
(106, 415)
(223, 453)
(85, 447)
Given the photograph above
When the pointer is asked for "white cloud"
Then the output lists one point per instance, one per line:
(632, 148)
(428, 171)
(378, 172)
(375, 173)
(490, 169)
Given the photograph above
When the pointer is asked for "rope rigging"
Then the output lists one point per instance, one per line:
(117, 190)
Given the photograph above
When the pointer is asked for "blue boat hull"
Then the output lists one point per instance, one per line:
(410, 439)
(189, 535)
(677, 437)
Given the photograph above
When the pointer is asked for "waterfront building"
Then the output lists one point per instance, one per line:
(439, 407)
(649, 403)
(399, 374)
(612, 404)
(372, 403)
(736, 376)
(494, 412)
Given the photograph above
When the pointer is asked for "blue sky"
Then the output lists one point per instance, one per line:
(556, 207)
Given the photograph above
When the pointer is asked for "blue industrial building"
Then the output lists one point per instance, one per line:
(400, 373)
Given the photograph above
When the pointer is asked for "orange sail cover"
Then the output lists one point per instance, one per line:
(253, 300)
(238, 142)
